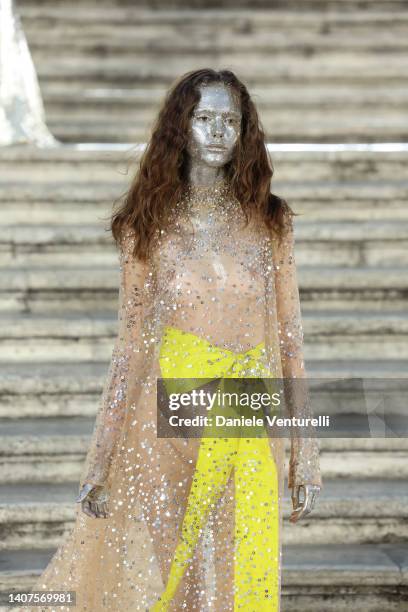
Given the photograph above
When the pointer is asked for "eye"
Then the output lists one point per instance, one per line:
(232, 120)
(202, 117)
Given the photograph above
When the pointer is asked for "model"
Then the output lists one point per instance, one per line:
(208, 293)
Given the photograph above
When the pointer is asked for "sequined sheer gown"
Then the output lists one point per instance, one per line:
(192, 525)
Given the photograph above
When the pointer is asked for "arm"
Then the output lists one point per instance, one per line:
(128, 342)
(304, 465)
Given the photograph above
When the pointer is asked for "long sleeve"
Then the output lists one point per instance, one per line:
(127, 351)
(304, 465)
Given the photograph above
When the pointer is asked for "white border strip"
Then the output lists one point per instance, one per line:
(377, 147)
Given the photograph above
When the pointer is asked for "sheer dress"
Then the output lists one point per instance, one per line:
(192, 525)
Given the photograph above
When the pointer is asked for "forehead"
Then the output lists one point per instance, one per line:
(218, 97)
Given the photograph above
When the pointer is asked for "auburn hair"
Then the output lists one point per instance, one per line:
(161, 176)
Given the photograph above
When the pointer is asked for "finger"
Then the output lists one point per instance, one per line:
(312, 501)
(308, 503)
(305, 508)
(91, 509)
(295, 516)
(296, 503)
(85, 490)
(94, 509)
(297, 513)
(302, 510)
(86, 509)
(81, 497)
(98, 510)
(314, 495)
(101, 511)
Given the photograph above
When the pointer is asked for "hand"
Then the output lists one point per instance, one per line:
(300, 509)
(93, 499)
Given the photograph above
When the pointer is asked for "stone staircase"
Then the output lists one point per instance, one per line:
(58, 304)
(322, 71)
(319, 72)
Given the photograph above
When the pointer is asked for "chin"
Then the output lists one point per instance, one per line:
(216, 160)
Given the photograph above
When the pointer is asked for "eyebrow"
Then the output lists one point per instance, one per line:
(211, 111)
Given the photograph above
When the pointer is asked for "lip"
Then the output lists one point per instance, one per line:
(216, 148)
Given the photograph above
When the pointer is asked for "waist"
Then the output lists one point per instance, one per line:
(185, 354)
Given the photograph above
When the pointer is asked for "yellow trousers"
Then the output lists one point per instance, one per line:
(256, 522)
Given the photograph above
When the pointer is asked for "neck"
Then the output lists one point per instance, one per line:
(201, 175)
(202, 198)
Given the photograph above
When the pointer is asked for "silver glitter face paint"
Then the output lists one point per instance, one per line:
(215, 129)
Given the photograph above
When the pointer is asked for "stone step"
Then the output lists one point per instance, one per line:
(323, 578)
(51, 389)
(92, 203)
(77, 45)
(88, 111)
(334, 192)
(326, 129)
(54, 449)
(73, 337)
(274, 119)
(342, 243)
(60, 289)
(332, 47)
(60, 339)
(37, 516)
(351, 243)
(56, 289)
(73, 389)
(361, 168)
(254, 69)
(60, 96)
(120, 13)
(57, 245)
(123, 12)
(145, 33)
(368, 6)
(241, 33)
(282, 128)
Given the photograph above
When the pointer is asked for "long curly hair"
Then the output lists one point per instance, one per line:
(162, 175)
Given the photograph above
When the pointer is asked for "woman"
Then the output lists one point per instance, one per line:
(208, 292)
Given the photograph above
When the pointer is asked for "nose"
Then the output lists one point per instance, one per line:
(218, 127)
